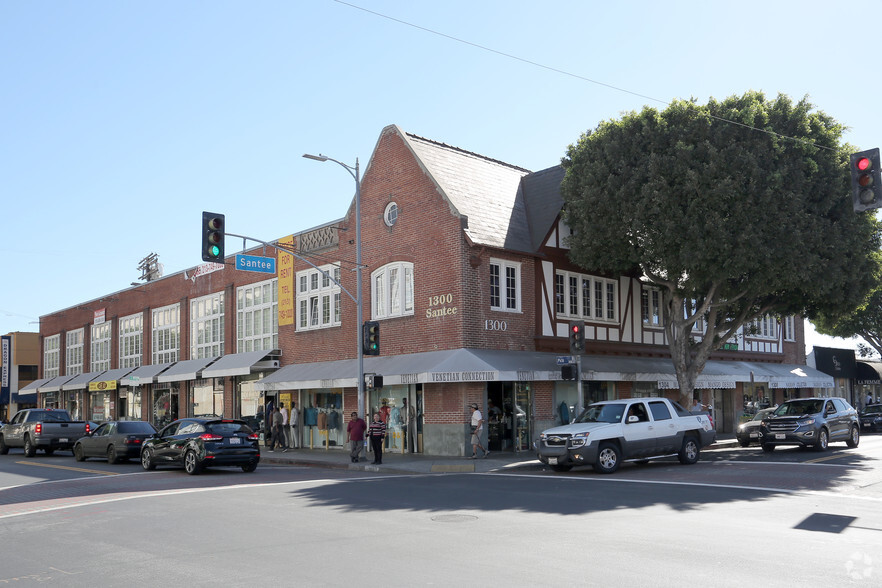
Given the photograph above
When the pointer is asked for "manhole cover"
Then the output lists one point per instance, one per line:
(453, 518)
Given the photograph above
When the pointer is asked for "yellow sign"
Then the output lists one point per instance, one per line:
(102, 386)
(287, 296)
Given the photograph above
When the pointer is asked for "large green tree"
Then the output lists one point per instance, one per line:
(734, 210)
(865, 321)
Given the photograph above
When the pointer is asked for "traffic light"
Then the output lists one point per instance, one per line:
(568, 372)
(373, 381)
(577, 337)
(212, 237)
(866, 181)
(370, 338)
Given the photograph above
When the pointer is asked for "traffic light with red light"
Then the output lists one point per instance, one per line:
(577, 337)
(370, 338)
(212, 237)
(866, 180)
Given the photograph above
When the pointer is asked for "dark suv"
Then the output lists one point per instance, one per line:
(813, 422)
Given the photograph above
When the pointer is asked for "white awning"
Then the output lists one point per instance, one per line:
(33, 386)
(54, 385)
(242, 364)
(80, 381)
(190, 369)
(145, 374)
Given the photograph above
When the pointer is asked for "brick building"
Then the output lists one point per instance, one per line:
(466, 271)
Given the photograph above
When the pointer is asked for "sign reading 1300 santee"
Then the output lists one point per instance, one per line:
(253, 263)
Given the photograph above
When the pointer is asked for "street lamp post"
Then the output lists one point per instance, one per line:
(353, 171)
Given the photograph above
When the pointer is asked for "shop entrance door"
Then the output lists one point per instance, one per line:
(510, 416)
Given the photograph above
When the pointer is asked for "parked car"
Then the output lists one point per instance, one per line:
(115, 440)
(811, 422)
(48, 429)
(749, 432)
(871, 417)
(197, 443)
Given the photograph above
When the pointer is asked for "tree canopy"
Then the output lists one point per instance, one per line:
(733, 210)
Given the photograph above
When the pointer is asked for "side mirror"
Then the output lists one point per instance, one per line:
(633, 419)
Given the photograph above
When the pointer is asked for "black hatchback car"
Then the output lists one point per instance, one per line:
(197, 443)
(115, 440)
(871, 417)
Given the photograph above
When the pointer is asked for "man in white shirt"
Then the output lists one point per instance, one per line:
(284, 412)
(477, 430)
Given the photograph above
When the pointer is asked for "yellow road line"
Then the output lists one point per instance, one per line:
(61, 467)
(827, 458)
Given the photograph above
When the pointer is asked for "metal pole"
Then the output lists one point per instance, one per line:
(359, 312)
(580, 403)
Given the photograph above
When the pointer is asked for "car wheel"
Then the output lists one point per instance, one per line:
(608, 458)
(79, 455)
(561, 468)
(823, 440)
(30, 449)
(112, 457)
(744, 443)
(249, 467)
(4, 448)
(147, 461)
(854, 438)
(690, 451)
(191, 463)
(768, 447)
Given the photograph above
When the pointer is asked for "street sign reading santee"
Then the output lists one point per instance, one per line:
(253, 263)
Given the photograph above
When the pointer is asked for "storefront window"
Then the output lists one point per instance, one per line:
(251, 404)
(100, 403)
(133, 404)
(73, 405)
(389, 402)
(207, 400)
(323, 419)
(50, 400)
(165, 406)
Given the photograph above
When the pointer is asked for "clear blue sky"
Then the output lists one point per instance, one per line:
(121, 121)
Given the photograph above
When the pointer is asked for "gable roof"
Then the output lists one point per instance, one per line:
(541, 193)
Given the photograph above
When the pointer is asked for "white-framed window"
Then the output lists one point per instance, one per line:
(257, 316)
(390, 215)
(131, 337)
(580, 296)
(697, 326)
(765, 327)
(650, 306)
(51, 356)
(166, 334)
(74, 352)
(392, 290)
(788, 325)
(318, 298)
(505, 285)
(99, 356)
(207, 326)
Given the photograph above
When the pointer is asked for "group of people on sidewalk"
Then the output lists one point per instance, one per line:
(280, 425)
(376, 432)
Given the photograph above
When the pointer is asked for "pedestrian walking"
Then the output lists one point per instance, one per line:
(377, 434)
(355, 432)
(278, 432)
(477, 425)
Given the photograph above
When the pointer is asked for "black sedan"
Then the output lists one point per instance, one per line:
(115, 440)
(197, 443)
(871, 418)
(748, 432)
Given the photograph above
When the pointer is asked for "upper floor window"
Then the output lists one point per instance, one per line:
(74, 352)
(257, 316)
(100, 347)
(207, 326)
(166, 333)
(51, 356)
(392, 290)
(650, 306)
(765, 327)
(585, 297)
(505, 285)
(318, 298)
(788, 325)
(131, 337)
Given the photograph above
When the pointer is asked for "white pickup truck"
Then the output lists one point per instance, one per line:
(608, 433)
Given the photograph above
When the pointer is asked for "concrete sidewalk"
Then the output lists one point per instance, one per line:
(418, 463)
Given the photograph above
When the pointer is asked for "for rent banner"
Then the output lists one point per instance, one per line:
(286, 281)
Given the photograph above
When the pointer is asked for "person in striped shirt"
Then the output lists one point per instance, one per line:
(377, 433)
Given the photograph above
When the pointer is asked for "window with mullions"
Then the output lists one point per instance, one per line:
(650, 307)
(257, 316)
(765, 327)
(166, 333)
(392, 290)
(318, 298)
(74, 352)
(100, 347)
(207, 326)
(580, 296)
(788, 325)
(131, 337)
(51, 356)
(505, 285)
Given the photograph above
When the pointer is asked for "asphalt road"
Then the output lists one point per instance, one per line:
(737, 518)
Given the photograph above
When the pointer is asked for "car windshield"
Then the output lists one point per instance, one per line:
(602, 413)
(800, 407)
(227, 427)
(760, 415)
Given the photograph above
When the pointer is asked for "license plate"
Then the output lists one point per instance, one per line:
(754, 435)
(780, 436)
(552, 461)
(63, 440)
(235, 441)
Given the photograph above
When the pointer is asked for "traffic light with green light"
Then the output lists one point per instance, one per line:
(866, 180)
(212, 237)
(370, 336)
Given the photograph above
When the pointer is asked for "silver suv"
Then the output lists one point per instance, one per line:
(813, 422)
